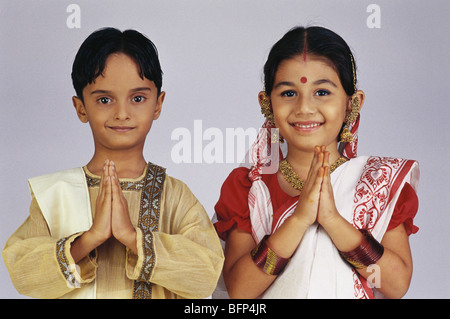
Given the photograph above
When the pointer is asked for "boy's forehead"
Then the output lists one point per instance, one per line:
(121, 72)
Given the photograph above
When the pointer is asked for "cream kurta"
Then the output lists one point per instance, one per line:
(186, 262)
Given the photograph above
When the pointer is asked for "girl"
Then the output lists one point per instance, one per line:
(327, 224)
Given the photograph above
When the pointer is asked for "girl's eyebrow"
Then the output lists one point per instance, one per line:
(322, 81)
(283, 83)
(317, 82)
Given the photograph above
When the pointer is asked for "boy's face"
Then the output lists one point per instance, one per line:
(119, 105)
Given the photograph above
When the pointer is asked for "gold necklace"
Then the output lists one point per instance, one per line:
(288, 172)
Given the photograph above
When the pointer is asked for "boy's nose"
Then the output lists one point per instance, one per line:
(122, 111)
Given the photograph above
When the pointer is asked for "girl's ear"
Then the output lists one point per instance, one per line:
(80, 109)
(263, 99)
(360, 95)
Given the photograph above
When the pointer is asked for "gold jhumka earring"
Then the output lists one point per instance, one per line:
(266, 110)
(346, 136)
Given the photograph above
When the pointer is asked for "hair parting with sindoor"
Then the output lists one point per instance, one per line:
(317, 41)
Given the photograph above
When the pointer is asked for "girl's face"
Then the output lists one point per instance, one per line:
(309, 103)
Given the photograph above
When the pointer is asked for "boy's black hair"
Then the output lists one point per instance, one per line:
(90, 60)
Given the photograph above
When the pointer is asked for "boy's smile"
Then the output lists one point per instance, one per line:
(119, 105)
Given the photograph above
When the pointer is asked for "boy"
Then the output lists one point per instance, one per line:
(119, 227)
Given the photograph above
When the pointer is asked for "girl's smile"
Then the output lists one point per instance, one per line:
(306, 126)
(309, 103)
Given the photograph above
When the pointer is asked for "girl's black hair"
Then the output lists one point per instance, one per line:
(90, 60)
(317, 41)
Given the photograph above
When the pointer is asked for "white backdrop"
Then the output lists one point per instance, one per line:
(212, 54)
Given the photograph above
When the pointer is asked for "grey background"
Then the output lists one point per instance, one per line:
(212, 54)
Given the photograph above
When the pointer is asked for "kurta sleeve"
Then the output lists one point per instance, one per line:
(41, 266)
(187, 256)
(232, 207)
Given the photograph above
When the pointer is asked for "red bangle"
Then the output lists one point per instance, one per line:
(366, 254)
(267, 260)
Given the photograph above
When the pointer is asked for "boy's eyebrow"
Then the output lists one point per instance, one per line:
(139, 89)
(99, 92)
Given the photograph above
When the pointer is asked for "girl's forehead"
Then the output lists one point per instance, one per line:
(313, 65)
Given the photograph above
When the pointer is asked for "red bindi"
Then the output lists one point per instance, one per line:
(303, 79)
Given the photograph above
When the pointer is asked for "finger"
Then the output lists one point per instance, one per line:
(115, 184)
(312, 184)
(315, 163)
(107, 184)
(326, 184)
(110, 169)
(326, 159)
(313, 193)
(326, 173)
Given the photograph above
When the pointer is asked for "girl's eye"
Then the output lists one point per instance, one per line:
(139, 99)
(322, 93)
(104, 100)
(288, 93)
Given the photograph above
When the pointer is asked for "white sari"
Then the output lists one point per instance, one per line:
(365, 190)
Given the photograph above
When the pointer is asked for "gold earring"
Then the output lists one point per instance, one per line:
(346, 135)
(266, 110)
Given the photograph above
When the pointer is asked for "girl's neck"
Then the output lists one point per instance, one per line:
(127, 165)
(301, 160)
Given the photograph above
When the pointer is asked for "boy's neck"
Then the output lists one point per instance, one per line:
(127, 165)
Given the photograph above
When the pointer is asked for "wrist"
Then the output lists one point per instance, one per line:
(302, 220)
(268, 260)
(128, 238)
(332, 222)
(367, 253)
(94, 237)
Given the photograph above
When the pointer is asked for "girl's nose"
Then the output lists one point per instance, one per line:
(304, 106)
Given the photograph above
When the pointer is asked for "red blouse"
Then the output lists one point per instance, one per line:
(232, 208)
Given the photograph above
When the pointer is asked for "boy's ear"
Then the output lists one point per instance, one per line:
(159, 103)
(80, 109)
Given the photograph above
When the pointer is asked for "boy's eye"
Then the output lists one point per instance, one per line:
(322, 92)
(288, 93)
(104, 100)
(138, 99)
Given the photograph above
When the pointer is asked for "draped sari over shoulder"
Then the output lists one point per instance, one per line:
(373, 193)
